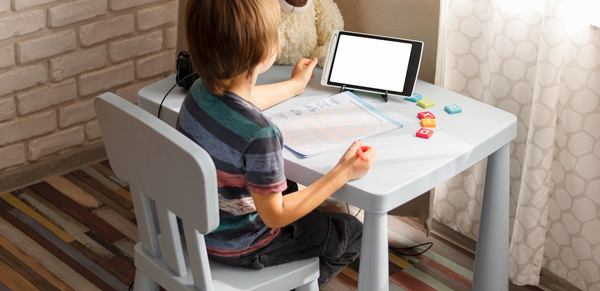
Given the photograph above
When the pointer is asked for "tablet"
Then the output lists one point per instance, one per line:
(372, 63)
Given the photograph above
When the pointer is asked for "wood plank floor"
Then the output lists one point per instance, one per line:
(77, 231)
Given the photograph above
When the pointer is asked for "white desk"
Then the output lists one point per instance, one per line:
(405, 167)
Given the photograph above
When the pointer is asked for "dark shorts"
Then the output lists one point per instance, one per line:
(333, 237)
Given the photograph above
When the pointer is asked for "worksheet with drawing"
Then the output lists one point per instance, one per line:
(330, 123)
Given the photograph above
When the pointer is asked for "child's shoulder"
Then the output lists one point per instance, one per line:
(233, 112)
(251, 117)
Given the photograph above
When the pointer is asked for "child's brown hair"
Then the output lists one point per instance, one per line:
(227, 38)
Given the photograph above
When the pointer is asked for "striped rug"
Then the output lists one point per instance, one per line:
(77, 231)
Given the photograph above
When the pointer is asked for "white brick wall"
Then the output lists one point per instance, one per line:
(4, 5)
(30, 126)
(22, 23)
(102, 80)
(49, 95)
(75, 11)
(7, 109)
(92, 130)
(23, 77)
(171, 37)
(78, 62)
(157, 15)
(154, 65)
(7, 56)
(55, 142)
(24, 4)
(57, 55)
(46, 46)
(136, 46)
(120, 4)
(76, 113)
(105, 29)
(12, 155)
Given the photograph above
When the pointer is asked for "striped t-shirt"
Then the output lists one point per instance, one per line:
(246, 149)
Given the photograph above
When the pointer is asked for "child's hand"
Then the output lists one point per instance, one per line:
(302, 73)
(352, 164)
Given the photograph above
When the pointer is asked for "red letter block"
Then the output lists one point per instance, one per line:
(425, 133)
(425, 114)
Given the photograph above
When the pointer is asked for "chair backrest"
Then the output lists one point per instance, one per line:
(169, 176)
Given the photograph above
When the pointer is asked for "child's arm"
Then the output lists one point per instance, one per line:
(265, 96)
(277, 210)
(268, 95)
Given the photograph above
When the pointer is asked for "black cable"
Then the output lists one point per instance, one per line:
(402, 251)
(131, 286)
(168, 92)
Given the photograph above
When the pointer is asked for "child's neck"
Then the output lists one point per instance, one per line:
(242, 86)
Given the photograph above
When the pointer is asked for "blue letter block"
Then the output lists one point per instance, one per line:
(414, 97)
(452, 109)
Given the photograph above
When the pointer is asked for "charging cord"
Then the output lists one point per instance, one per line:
(168, 92)
(412, 250)
(407, 251)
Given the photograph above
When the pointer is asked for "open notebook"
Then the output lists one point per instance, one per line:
(333, 122)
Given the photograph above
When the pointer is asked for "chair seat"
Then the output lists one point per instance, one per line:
(228, 278)
(280, 277)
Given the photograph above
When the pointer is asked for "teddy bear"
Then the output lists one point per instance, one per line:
(306, 28)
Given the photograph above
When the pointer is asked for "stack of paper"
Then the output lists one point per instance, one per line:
(330, 123)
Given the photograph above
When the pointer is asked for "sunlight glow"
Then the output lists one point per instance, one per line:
(520, 6)
(594, 12)
(577, 14)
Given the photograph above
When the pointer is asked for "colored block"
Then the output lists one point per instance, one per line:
(414, 97)
(425, 103)
(424, 133)
(428, 122)
(425, 114)
(452, 109)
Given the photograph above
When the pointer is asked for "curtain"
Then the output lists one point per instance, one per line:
(540, 60)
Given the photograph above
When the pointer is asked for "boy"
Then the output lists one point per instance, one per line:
(230, 43)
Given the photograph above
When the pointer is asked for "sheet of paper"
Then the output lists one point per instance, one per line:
(329, 123)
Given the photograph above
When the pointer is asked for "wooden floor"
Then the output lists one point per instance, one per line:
(77, 231)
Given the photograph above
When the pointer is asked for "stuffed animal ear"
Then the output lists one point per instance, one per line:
(295, 5)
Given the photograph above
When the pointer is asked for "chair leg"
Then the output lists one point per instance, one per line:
(312, 286)
(144, 283)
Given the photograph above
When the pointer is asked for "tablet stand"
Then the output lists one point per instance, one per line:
(343, 88)
(385, 96)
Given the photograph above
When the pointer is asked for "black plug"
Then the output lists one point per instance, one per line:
(184, 70)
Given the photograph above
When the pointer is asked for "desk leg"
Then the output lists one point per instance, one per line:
(373, 272)
(491, 258)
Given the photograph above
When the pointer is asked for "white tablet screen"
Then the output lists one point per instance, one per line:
(370, 62)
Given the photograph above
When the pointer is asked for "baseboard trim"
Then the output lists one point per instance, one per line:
(36, 172)
(548, 280)
(551, 282)
(452, 236)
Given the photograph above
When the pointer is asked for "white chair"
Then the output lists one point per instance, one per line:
(170, 176)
